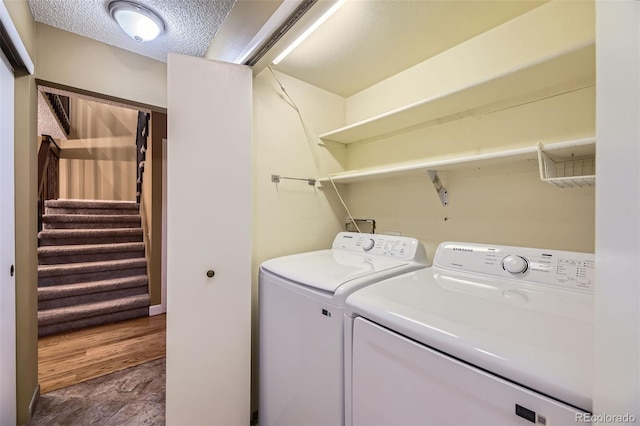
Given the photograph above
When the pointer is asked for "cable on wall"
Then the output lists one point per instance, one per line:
(293, 105)
(310, 139)
(335, 188)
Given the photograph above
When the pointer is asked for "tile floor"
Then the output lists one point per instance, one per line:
(134, 396)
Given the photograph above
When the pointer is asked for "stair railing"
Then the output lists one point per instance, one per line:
(142, 134)
(60, 106)
(48, 174)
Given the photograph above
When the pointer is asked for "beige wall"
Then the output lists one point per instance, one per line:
(291, 216)
(90, 66)
(26, 142)
(494, 205)
(147, 85)
(517, 43)
(99, 161)
(85, 65)
(26, 169)
(491, 204)
(78, 62)
(499, 204)
(72, 61)
(151, 205)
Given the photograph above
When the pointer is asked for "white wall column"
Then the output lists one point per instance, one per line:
(617, 318)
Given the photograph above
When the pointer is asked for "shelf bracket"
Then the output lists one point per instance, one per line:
(277, 178)
(441, 190)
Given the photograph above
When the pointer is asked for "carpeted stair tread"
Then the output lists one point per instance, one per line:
(92, 267)
(89, 248)
(72, 273)
(46, 330)
(68, 233)
(81, 299)
(90, 221)
(91, 207)
(86, 267)
(90, 217)
(94, 203)
(72, 313)
(91, 287)
(53, 237)
(48, 255)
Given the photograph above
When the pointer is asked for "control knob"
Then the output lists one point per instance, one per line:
(369, 244)
(515, 264)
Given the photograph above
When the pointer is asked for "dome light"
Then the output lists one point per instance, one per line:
(140, 23)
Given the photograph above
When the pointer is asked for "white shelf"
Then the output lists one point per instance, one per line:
(581, 148)
(552, 76)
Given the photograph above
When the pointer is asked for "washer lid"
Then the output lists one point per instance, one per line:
(537, 336)
(329, 269)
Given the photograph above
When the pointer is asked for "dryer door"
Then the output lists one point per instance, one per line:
(397, 381)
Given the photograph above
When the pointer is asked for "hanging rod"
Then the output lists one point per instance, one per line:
(277, 178)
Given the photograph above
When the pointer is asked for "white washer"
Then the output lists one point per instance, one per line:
(490, 335)
(301, 318)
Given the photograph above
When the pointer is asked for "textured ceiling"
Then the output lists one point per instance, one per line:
(190, 24)
(365, 42)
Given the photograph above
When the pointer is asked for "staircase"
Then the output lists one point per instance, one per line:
(91, 265)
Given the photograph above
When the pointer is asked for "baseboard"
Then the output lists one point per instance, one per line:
(34, 401)
(157, 310)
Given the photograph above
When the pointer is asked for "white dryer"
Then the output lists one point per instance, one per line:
(490, 335)
(301, 321)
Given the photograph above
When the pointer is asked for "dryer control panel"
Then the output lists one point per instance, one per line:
(405, 248)
(570, 270)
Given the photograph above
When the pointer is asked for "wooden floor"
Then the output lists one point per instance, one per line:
(69, 358)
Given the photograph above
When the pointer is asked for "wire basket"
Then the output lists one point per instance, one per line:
(567, 173)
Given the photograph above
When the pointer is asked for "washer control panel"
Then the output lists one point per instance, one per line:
(564, 269)
(405, 248)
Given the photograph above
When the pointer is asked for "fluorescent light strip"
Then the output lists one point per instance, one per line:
(308, 31)
(281, 14)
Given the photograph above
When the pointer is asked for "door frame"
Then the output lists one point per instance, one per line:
(8, 399)
(15, 58)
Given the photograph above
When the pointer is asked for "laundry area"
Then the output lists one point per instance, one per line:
(489, 146)
(424, 213)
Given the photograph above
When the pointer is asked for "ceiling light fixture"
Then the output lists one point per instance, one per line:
(308, 31)
(140, 23)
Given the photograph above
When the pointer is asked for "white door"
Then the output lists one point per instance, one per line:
(7, 250)
(208, 233)
(617, 309)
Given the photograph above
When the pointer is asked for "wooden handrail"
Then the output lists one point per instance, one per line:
(43, 161)
(48, 144)
(142, 134)
(48, 150)
(60, 105)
